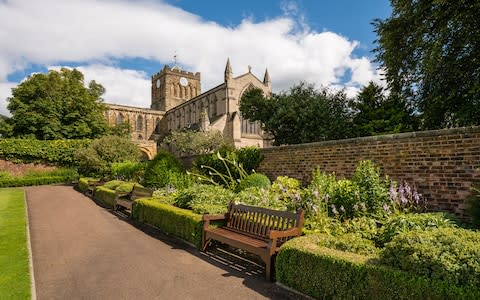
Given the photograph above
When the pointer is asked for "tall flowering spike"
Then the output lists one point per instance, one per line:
(334, 209)
(393, 193)
(342, 209)
(386, 208)
(408, 189)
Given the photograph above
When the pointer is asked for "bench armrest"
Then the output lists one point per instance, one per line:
(213, 217)
(275, 234)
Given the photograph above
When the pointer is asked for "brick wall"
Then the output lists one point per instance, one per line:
(442, 164)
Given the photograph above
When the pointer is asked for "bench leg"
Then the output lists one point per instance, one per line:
(205, 245)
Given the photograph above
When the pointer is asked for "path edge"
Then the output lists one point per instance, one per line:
(33, 290)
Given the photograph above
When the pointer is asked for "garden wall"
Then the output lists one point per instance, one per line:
(442, 164)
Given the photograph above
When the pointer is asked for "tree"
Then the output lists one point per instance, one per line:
(301, 115)
(56, 105)
(430, 50)
(375, 113)
(189, 142)
(98, 157)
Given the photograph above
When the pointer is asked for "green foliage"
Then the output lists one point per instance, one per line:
(112, 184)
(375, 113)
(202, 198)
(98, 157)
(105, 195)
(301, 115)
(189, 142)
(14, 277)
(83, 183)
(365, 227)
(325, 273)
(126, 187)
(260, 197)
(59, 152)
(429, 52)
(181, 223)
(254, 180)
(473, 207)
(373, 190)
(56, 105)
(349, 242)
(449, 254)
(39, 178)
(122, 130)
(401, 223)
(228, 165)
(165, 170)
(129, 170)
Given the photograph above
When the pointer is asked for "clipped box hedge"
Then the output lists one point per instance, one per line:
(331, 274)
(105, 195)
(31, 150)
(16, 182)
(178, 222)
(82, 185)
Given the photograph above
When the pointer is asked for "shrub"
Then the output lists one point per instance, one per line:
(260, 197)
(129, 170)
(39, 178)
(112, 184)
(203, 199)
(364, 226)
(59, 152)
(228, 160)
(105, 195)
(349, 242)
(98, 157)
(126, 187)
(400, 223)
(163, 170)
(332, 274)
(181, 223)
(345, 201)
(449, 254)
(84, 182)
(373, 190)
(189, 142)
(254, 180)
(288, 191)
(473, 207)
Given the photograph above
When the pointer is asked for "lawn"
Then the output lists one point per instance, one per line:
(14, 275)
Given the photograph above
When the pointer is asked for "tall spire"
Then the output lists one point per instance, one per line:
(228, 71)
(266, 78)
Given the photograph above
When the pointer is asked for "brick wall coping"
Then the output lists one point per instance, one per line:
(386, 137)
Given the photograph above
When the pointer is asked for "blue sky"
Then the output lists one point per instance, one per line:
(122, 43)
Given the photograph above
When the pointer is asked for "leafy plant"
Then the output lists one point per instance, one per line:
(450, 254)
(189, 142)
(373, 190)
(254, 180)
(98, 157)
(473, 207)
(129, 170)
(349, 242)
(164, 170)
(201, 198)
(400, 223)
(406, 199)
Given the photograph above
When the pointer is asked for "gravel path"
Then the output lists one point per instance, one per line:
(83, 251)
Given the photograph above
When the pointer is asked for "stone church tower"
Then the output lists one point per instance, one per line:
(172, 87)
(177, 103)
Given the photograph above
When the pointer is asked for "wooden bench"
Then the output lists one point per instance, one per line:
(92, 185)
(125, 200)
(260, 231)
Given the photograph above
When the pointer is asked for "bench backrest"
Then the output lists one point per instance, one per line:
(140, 192)
(258, 221)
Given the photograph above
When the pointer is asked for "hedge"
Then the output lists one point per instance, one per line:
(332, 274)
(104, 195)
(83, 183)
(32, 150)
(178, 222)
(16, 182)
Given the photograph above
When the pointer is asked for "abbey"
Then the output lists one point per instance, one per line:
(177, 103)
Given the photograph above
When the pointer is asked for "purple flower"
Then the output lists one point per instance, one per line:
(334, 209)
(386, 208)
(416, 197)
(342, 209)
(408, 189)
(403, 200)
(363, 206)
(393, 193)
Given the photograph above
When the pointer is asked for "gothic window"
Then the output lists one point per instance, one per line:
(139, 123)
(249, 127)
(120, 118)
(214, 106)
(157, 125)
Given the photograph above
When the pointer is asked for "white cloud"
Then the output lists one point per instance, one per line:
(97, 33)
(123, 86)
(5, 92)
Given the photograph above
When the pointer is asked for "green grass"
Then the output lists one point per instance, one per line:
(14, 268)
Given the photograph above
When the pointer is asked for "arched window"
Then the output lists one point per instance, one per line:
(139, 123)
(120, 118)
(157, 125)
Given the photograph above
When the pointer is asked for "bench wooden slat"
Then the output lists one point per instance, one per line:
(255, 229)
